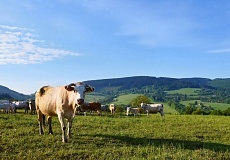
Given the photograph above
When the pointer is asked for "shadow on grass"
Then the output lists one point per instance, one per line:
(186, 144)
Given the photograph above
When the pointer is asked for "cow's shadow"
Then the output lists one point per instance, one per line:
(186, 144)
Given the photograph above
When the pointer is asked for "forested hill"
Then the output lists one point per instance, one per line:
(138, 82)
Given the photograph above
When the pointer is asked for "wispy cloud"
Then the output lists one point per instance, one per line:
(220, 51)
(20, 46)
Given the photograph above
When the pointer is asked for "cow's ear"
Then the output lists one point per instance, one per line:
(89, 88)
(70, 87)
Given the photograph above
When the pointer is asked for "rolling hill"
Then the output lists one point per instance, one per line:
(6, 93)
(137, 85)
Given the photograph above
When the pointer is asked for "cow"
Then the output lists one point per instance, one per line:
(21, 105)
(60, 101)
(135, 111)
(7, 107)
(91, 106)
(32, 106)
(112, 109)
(153, 108)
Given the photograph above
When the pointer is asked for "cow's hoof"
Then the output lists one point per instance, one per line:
(64, 140)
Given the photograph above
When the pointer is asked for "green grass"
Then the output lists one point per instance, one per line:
(188, 91)
(118, 137)
(220, 106)
(125, 99)
(94, 97)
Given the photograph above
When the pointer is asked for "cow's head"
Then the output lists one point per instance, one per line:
(79, 89)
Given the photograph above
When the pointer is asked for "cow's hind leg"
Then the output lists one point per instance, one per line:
(50, 125)
(40, 121)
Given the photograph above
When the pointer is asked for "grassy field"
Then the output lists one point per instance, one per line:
(188, 91)
(221, 106)
(125, 99)
(93, 97)
(118, 137)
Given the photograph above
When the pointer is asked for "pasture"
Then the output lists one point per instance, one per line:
(118, 137)
(188, 91)
(220, 106)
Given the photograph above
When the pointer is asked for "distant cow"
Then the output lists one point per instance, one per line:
(7, 107)
(61, 101)
(21, 105)
(91, 106)
(112, 109)
(135, 111)
(153, 108)
(32, 106)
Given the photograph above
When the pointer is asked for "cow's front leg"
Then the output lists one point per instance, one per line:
(69, 128)
(63, 127)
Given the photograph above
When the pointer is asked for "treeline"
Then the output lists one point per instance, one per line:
(197, 109)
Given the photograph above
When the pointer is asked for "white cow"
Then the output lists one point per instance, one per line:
(7, 107)
(153, 108)
(135, 111)
(112, 109)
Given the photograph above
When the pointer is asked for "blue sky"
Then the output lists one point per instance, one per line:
(57, 42)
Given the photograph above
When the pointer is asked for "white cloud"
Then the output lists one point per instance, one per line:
(19, 46)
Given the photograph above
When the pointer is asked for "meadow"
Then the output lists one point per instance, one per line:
(118, 137)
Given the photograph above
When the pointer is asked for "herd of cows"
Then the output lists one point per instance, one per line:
(65, 102)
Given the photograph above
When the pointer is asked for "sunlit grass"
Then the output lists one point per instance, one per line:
(118, 137)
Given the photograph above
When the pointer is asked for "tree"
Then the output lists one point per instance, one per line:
(138, 100)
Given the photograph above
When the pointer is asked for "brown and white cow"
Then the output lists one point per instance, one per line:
(32, 106)
(112, 108)
(91, 106)
(61, 101)
(153, 108)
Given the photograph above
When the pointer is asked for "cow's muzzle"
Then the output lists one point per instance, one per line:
(80, 101)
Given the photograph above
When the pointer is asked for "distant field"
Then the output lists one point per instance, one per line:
(221, 106)
(118, 137)
(93, 97)
(125, 99)
(188, 91)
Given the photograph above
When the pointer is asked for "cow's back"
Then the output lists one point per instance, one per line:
(46, 100)
(154, 108)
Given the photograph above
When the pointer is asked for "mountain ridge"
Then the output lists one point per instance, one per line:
(135, 83)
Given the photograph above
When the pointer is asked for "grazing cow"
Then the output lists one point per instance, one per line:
(32, 106)
(7, 107)
(153, 108)
(112, 109)
(135, 111)
(21, 105)
(61, 101)
(91, 106)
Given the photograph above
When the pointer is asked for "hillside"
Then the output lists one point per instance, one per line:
(154, 87)
(220, 83)
(138, 82)
(6, 93)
